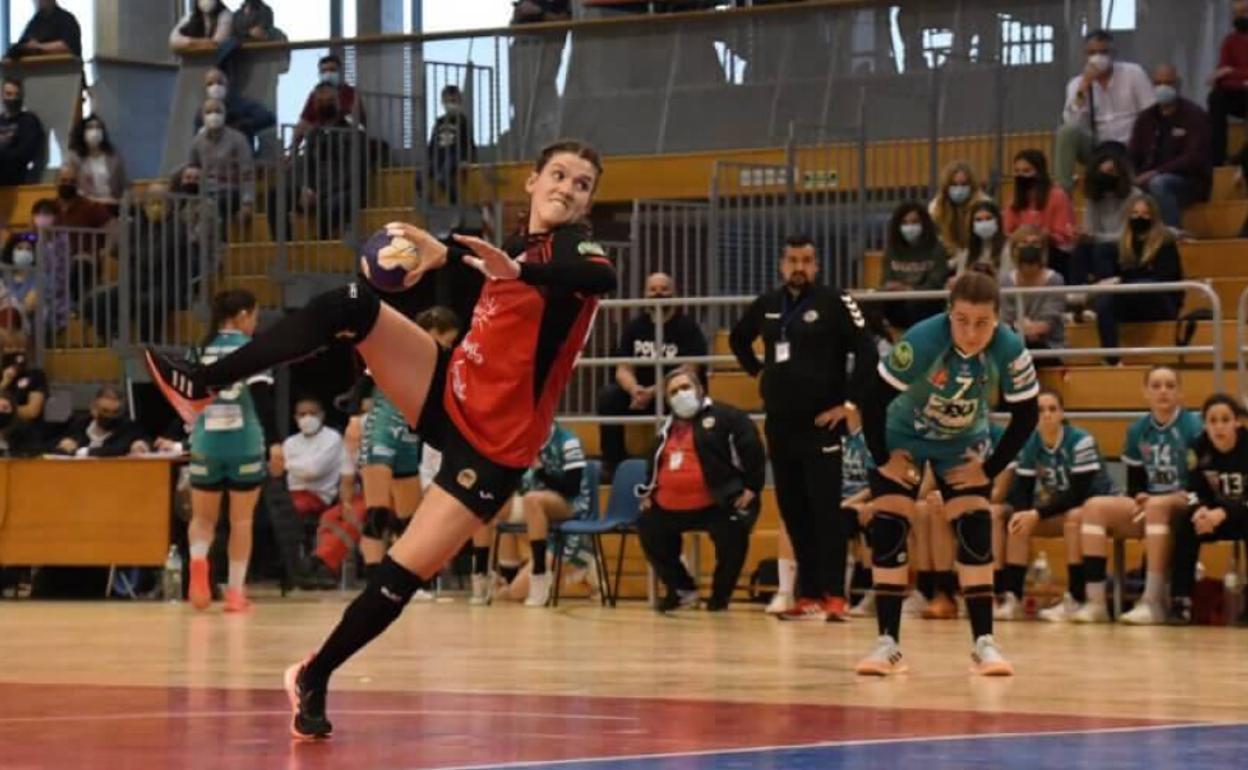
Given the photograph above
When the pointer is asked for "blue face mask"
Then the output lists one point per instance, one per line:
(1166, 94)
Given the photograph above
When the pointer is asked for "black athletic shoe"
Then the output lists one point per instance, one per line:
(715, 604)
(309, 722)
(180, 385)
(1180, 612)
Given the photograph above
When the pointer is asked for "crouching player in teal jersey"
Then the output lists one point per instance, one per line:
(931, 405)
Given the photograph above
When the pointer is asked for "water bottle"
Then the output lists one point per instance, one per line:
(1233, 597)
(171, 578)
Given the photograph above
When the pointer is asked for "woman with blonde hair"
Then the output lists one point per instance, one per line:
(1146, 254)
(951, 208)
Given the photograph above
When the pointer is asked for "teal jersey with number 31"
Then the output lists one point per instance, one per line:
(947, 395)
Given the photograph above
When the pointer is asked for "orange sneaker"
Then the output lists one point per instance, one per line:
(236, 600)
(835, 608)
(941, 608)
(200, 592)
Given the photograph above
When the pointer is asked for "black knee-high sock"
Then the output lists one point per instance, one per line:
(480, 559)
(348, 312)
(999, 584)
(372, 612)
(1094, 569)
(979, 608)
(947, 583)
(926, 583)
(888, 599)
(1078, 585)
(539, 556)
(1016, 579)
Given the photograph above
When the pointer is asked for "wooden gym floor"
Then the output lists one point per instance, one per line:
(145, 685)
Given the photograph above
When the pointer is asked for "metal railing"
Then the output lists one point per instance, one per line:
(579, 409)
(1241, 342)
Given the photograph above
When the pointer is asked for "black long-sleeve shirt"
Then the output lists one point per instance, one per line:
(50, 26)
(1220, 480)
(808, 339)
(21, 141)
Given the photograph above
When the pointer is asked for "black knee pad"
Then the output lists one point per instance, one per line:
(376, 522)
(888, 533)
(974, 531)
(348, 312)
(396, 525)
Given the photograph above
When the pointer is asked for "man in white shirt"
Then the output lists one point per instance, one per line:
(1102, 104)
(314, 460)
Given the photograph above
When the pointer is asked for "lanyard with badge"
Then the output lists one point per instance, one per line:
(784, 349)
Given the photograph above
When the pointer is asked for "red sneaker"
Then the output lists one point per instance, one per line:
(805, 609)
(236, 600)
(200, 592)
(835, 609)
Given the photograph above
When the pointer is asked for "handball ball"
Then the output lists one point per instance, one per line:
(387, 259)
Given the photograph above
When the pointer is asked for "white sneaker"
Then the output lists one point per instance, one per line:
(1010, 608)
(884, 659)
(539, 590)
(1144, 613)
(987, 660)
(914, 605)
(864, 608)
(780, 604)
(1091, 612)
(423, 596)
(481, 590)
(1061, 612)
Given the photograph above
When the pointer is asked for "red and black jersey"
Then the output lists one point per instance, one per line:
(506, 376)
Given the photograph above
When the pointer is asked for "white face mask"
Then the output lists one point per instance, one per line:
(331, 77)
(912, 233)
(23, 258)
(1166, 94)
(685, 403)
(960, 193)
(1101, 63)
(985, 228)
(93, 137)
(206, 6)
(216, 91)
(214, 120)
(309, 424)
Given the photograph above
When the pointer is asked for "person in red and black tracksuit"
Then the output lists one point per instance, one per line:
(487, 405)
(809, 333)
(708, 473)
(1217, 483)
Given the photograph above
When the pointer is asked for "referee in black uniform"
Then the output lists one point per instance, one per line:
(809, 332)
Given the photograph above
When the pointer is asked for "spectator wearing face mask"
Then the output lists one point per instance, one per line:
(450, 144)
(707, 474)
(1102, 104)
(20, 285)
(951, 208)
(633, 390)
(25, 387)
(1037, 201)
(1170, 148)
(241, 114)
(1146, 254)
(207, 25)
(986, 242)
(224, 156)
(21, 137)
(253, 22)
(107, 432)
(1229, 82)
(1040, 322)
(330, 72)
(914, 260)
(101, 172)
(313, 460)
(1107, 192)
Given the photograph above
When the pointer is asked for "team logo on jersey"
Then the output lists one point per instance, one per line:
(939, 378)
(902, 357)
(467, 478)
(810, 316)
(708, 423)
(590, 249)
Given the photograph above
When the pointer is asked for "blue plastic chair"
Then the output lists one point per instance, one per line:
(623, 511)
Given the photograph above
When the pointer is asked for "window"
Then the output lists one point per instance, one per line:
(1023, 43)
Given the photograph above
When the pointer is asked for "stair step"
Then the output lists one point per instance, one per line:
(302, 257)
(267, 292)
(67, 366)
(1221, 219)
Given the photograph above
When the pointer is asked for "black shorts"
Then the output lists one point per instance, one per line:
(480, 484)
(880, 486)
